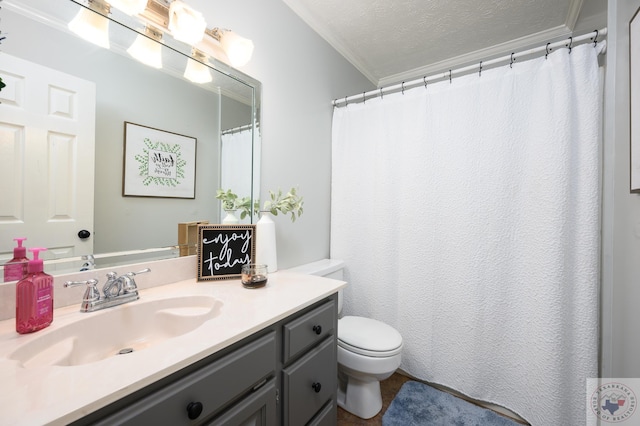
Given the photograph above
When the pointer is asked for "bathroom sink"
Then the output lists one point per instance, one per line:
(117, 331)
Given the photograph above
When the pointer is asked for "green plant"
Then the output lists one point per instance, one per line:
(228, 199)
(244, 205)
(290, 202)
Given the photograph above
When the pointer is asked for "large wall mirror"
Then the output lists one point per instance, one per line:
(221, 116)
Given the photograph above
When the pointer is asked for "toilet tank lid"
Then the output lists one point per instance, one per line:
(320, 267)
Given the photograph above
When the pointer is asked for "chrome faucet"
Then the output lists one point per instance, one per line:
(90, 262)
(116, 291)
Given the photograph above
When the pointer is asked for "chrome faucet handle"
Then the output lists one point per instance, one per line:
(128, 282)
(113, 286)
(91, 294)
(144, 271)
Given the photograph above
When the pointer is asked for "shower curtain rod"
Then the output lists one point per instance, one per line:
(235, 129)
(570, 42)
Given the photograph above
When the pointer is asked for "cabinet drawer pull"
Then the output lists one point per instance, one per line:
(316, 386)
(194, 409)
(317, 329)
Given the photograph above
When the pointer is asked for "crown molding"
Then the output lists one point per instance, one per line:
(522, 43)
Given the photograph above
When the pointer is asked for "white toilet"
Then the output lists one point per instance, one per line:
(368, 350)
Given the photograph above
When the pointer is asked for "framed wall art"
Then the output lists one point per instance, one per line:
(223, 249)
(158, 163)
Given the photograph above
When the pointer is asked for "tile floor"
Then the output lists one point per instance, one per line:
(389, 388)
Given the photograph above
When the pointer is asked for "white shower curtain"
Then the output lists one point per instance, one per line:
(468, 217)
(236, 169)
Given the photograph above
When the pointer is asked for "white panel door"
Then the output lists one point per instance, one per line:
(47, 138)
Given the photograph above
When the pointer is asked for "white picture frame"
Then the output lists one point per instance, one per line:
(158, 163)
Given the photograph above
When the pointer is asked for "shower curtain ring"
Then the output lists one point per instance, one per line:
(346, 102)
(425, 81)
(595, 39)
(570, 43)
(449, 76)
(512, 60)
(381, 94)
(364, 98)
(480, 70)
(403, 87)
(547, 54)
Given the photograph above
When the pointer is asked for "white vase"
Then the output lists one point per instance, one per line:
(230, 218)
(266, 253)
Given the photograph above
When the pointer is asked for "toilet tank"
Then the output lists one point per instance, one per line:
(328, 268)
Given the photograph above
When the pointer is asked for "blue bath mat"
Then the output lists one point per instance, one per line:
(420, 404)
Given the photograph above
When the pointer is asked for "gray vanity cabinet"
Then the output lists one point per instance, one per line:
(309, 376)
(285, 374)
(197, 396)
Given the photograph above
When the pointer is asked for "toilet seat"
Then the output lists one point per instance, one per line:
(368, 337)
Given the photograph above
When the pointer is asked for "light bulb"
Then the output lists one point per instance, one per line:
(91, 26)
(185, 23)
(148, 50)
(197, 72)
(238, 49)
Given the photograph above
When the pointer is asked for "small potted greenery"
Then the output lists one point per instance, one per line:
(278, 202)
(244, 205)
(229, 200)
(289, 203)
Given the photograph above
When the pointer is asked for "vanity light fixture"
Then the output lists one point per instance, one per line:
(130, 7)
(185, 23)
(91, 24)
(173, 17)
(238, 49)
(147, 47)
(196, 70)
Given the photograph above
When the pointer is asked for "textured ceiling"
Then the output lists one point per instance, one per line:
(394, 40)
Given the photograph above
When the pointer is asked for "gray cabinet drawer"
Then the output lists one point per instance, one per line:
(309, 329)
(212, 386)
(309, 383)
(257, 409)
(327, 417)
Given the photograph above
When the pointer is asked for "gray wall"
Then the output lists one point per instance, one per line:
(621, 209)
(300, 75)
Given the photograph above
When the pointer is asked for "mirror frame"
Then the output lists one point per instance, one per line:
(136, 256)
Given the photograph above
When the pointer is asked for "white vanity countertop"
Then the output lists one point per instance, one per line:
(61, 394)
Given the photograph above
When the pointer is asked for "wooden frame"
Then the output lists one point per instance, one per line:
(634, 107)
(158, 163)
(223, 249)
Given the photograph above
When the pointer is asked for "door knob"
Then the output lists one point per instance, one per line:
(84, 234)
(317, 329)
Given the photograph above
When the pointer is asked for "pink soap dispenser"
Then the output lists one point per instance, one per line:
(16, 268)
(34, 297)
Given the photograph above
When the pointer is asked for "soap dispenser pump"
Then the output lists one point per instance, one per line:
(34, 297)
(16, 268)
